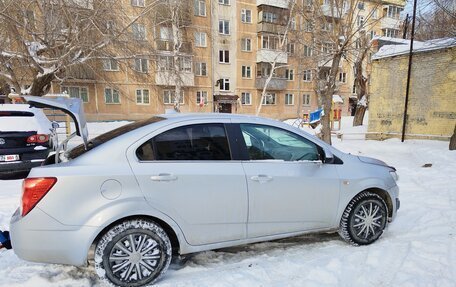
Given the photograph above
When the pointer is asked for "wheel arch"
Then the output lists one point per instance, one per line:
(175, 243)
(383, 194)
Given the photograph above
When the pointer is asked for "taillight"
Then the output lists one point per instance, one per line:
(39, 138)
(33, 190)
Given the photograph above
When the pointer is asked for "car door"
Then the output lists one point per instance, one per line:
(289, 188)
(187, 173)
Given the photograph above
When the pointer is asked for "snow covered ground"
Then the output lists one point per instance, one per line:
(418, 249)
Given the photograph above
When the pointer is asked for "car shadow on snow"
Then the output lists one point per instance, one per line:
(239, 253)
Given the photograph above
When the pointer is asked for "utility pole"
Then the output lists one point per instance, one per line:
(407, 91)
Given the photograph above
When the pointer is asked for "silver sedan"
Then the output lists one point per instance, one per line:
(183, 183)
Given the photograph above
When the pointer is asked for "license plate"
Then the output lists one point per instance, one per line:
(9, 157)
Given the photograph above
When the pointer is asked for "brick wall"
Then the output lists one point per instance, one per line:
(432, 99)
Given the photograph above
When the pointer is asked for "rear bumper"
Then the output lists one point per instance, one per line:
(38, 237)
(28, 161)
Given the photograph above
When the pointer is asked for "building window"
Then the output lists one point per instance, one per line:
(201, 69)
(290, 48)
(392, 33)
(270, 17)
(246, 44)
(139, 31)
(360, 21)
(307, 51)
(289, 99)
(138, 3)
(246, 72)
(293, 24)
(77, 92)
(224, 56)
(224, 2)
(269, 99)
(200, 39)
(361, 5)
(166, 34)
(141, 65)
(371, 34)
(374, 13)
(142, 97)
(168, 97)
(246, 98)
(201, 98)
(342, 77)
(289, 74)
(308, 27)
(269, 42)
(307, 75)
(200, 8)
(110, 64)
(224, 84)
(246, 16)
(327, 48)
(224, 27)
(325, 26)
(394, 12)
(112, 96)
(306, 100)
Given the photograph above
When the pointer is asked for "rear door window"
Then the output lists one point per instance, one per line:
(192, 142)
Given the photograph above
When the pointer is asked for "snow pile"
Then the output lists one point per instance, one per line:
(418, 249)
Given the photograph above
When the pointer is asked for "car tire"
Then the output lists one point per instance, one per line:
(133, 253)
(364, 219)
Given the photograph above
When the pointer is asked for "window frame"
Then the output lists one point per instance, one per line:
(199, 69)
(264, 99)
(224, 56)
(112, 96)
(66, 88)
(171, 97)
(199, 39)
(136, 3)
(245, 16)
(142, 97)
(224, 27)
(197, 12)
(246, 43)
(244, 97)
(246, 72)
(231, 151)
(287, 99)
(141, 61)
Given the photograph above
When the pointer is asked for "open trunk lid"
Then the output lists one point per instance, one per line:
(71, 106)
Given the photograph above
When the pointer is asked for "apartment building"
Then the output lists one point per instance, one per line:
(223, 63)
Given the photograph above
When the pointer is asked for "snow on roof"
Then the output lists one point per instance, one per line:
(403, 46)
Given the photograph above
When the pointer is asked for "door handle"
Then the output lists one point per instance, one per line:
(261, 178)
(163, 177)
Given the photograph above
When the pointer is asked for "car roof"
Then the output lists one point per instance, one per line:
(195, 116)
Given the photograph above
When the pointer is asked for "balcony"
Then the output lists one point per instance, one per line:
(81, 72)
(390, 23)
(269, 56)
(275, 84)
(168, 78)
(334, 13)
(266, 27)
(167, 45)
(275, 3)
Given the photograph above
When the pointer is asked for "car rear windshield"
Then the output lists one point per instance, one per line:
(15, 114)
(101, 139)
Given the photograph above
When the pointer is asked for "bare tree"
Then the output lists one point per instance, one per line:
(273, 62)
(361, 79)
(47, 40)
(436, 19)
(336, 28)
(174, 17)
(453, 140)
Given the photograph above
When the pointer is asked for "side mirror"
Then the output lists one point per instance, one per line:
(55, 125)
